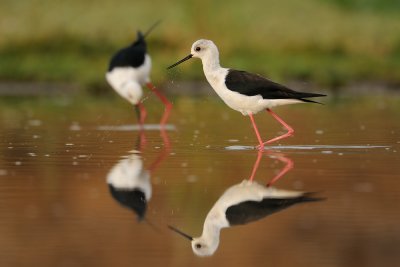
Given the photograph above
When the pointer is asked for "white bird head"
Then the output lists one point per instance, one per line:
(202, 246)
(206, 50)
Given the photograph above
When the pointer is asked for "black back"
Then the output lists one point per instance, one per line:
(250, 211)
(250, 84)
(131, 56)
(132, 199)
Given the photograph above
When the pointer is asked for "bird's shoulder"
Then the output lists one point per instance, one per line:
(241, 76)
(252, 84)
(131, 56)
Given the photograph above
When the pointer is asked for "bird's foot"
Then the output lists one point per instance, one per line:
(288, 134)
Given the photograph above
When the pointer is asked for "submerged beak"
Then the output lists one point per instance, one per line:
(180, 232)
(180, 61)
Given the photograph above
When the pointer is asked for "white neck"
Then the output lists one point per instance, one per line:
(211, 62)
(211, 232)
(213, 224)
(212, 69)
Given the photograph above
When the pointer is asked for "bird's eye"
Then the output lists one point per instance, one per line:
(197, 49)
(198, 246)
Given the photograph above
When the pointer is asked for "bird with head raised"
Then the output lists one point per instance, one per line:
(129, 69)
(245, 92)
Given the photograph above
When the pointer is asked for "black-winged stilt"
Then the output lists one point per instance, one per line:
(129, 70)
(129, 181)
(245, 92)
(241, 204)
(129, 184)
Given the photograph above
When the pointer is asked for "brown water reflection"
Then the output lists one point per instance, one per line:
(56, 208)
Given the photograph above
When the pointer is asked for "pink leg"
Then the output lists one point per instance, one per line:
(290, 129)
(163, 99)
(142, 113)
(255, 167)
(261, 146)
(289, 165)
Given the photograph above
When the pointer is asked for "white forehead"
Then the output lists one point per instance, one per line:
(202, 43)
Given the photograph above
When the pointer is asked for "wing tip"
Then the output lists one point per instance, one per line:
(310, 101)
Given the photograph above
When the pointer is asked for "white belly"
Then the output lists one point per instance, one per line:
(247, 104)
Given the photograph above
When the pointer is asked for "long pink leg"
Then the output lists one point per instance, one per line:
(255, 167)
(289, 165)
(163, 99)
(142, 113)
(261, 146)
(290, 129)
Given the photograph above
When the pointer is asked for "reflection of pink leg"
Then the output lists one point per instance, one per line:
(163, 153)
(163, 99)
(290, 129)
(289, 165)
(261, 146)
(142, 140)
(255, 167)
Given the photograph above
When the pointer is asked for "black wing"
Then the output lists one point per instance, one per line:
(250, 211)
(253, 84)
(132, 199)
(132, 56)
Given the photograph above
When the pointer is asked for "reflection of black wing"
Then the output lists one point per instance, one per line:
(251, 84)
(132, 199)
(132, 56)
(250, 211)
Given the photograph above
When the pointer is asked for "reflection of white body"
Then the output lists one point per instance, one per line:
(127, 81)
(241, 204)
(128, 176)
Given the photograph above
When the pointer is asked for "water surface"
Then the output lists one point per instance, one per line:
(57, 208)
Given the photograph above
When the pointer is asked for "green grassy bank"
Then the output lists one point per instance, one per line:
(331, 42)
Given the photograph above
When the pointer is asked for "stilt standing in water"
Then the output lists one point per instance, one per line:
(129, 70)
(243, 91)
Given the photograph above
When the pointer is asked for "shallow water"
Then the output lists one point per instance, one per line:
(57, 208)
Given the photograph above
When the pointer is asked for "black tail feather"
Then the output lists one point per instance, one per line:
(303, 97)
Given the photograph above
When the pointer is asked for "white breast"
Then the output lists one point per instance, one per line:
(129, 174)
(128, 81)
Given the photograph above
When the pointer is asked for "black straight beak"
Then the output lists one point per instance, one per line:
(180, 232)
(180, 61)
(151, 28)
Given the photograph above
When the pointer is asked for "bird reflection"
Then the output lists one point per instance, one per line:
(130, 182)
(243, 203)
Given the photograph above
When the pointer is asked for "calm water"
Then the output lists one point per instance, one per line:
(59, 157)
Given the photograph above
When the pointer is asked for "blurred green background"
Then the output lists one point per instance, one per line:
(329, 43)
